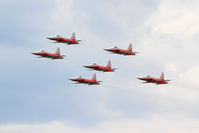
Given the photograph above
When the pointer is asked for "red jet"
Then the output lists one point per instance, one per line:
(157, 81)
(106, 68)
(45, 54)
(59, 39)
(116, 50)
(92, 81)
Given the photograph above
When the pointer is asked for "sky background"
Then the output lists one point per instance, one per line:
(36, 95)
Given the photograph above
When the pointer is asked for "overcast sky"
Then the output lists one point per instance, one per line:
(36, 95)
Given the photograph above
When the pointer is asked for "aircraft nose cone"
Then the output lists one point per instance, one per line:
(86, 66)
(106, 49)
(50, 38)
(35, 53)
(72, 79)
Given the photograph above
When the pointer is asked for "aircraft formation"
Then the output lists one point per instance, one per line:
(94, 66)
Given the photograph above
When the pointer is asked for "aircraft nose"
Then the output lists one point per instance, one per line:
(50, 38)
(35, 53)
(86, 66)
(72, 79)
(107, 49)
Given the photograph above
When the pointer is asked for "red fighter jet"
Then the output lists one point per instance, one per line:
(116, 50)
(45, 54)
(69, 41)
(157, 81)
(106, 68)
(92, 81)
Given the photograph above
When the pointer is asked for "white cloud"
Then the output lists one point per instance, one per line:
(176, 18)
(63, 14)
(172, 67)
(190, 78)
(170, 33)
(152, 124)
(66, 17)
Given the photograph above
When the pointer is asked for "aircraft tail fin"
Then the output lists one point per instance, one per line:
(58, 51)
(162, 76)
(73, 36)
(130, 47)
(94, 77)
(108, 64)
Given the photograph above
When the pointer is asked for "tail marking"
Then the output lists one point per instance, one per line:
(130, 47)
(94, 77)
(108, 64)
(58, 51)
(162, 76)
(73, 36)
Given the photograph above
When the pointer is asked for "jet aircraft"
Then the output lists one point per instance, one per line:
(45, 54)
(81, 80)
(157, 81)
(69, 41)
(106, 68)
(116, 50)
